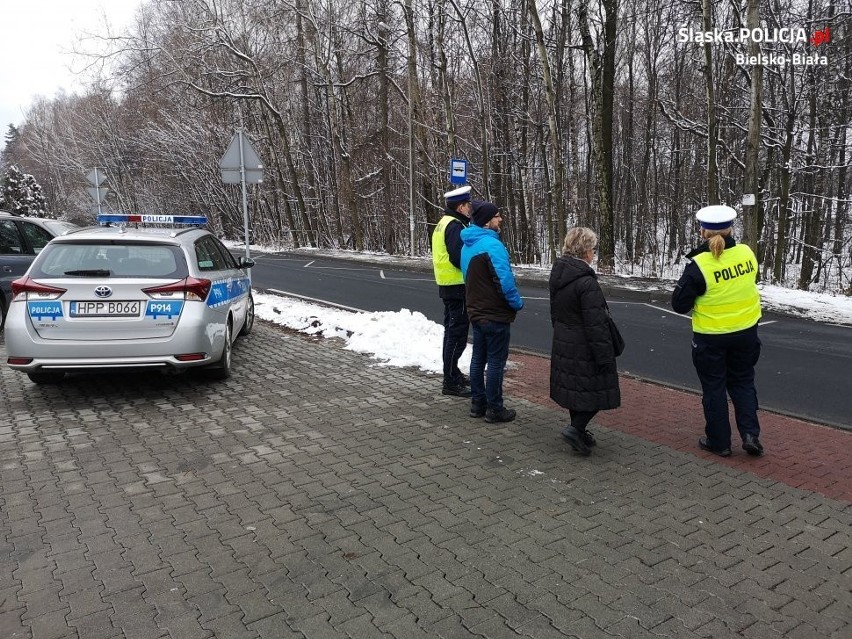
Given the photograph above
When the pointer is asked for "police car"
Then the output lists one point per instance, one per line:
(118, 297)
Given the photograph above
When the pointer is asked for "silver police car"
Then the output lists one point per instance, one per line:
(125, 298)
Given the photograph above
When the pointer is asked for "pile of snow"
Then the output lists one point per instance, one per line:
(401, 338)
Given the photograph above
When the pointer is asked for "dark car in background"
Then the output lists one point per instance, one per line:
(21, 239)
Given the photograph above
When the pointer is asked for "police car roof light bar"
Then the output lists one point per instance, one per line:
(124, 218)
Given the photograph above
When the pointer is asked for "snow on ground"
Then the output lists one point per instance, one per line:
(399, 338)
(820, 307)
(405, 338)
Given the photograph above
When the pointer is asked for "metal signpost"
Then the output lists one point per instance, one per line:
(96, 177)
(241, 165)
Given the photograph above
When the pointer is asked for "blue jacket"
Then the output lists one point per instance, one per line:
(491, 290)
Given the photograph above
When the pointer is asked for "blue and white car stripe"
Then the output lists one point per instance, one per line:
(223, 291)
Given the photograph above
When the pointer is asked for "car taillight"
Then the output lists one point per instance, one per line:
(190, 357)
(191, 287)
(27, 285)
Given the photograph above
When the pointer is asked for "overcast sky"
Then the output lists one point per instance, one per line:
(36, 43)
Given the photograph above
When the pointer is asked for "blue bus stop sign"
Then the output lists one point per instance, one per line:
(458, 171)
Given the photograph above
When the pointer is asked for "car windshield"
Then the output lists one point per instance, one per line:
(98, 259)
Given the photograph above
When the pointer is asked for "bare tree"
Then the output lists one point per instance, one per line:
(602, 68)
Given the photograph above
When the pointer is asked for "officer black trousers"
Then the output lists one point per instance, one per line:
(456, 326)
(725, 365)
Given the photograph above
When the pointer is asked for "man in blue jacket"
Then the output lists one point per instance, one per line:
(492, 302)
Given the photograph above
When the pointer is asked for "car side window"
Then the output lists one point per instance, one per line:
(11, 242)
(208, 256)
(228, 259)
(36, 236)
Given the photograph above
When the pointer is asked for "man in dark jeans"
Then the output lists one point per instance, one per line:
(446, 262)
(492, 303)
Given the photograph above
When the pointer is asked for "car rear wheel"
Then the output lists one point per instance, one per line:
(249, 323)
(46, 377)
(222, 368)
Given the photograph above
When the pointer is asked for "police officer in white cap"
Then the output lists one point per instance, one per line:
(446, 262)
(719, 286)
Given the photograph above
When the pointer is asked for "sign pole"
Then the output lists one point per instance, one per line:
(95, 178)
(97, 182)
(245, 198)
(410, 164)
(241, 165)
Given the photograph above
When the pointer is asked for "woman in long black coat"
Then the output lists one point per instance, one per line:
(583, 373)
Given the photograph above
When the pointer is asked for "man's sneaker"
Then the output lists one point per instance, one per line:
(504, 414)
(576, 439)
(464, 380)
(752, 445)
(457, 390)
(704, 444)
(478, 410)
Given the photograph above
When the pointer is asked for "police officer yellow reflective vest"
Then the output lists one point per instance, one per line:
(445, 273)
(732, 301)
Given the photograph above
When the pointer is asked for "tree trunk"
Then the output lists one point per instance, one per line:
(602, 69)
(810, 218)
(712, 169)
(553, 234)
(418, 139)
(306, 117)
(781, 232)
(480, 99)
(752, 213)
(449, 115)
(388, 216)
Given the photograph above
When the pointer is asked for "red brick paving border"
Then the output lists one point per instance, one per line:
(800, 454)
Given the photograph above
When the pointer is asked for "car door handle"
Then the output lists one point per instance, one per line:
(7, 269)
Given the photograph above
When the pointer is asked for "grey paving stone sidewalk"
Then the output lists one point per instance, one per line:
(317, 494)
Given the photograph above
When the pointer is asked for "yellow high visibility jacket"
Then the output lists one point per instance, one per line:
(732, 301)
(445, 273)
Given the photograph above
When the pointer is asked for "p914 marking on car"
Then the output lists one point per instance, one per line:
(163, 309)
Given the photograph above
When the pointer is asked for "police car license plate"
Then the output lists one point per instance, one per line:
(114, 308)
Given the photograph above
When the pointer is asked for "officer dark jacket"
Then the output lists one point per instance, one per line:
(583, 374)
(453, 242)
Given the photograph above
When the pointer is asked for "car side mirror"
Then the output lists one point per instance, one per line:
(245, 262)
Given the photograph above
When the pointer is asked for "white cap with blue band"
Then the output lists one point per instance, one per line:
(461, 194)
(716, 217)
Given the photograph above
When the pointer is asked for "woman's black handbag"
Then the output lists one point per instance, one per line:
(615, 334)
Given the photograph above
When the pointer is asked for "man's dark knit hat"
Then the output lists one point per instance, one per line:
(482, 212)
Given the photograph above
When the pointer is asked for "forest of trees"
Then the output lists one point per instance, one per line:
(623, 116)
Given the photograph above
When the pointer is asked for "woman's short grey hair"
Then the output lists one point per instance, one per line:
(579, 241)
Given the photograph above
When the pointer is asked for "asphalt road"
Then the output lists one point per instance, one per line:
(804, 369)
